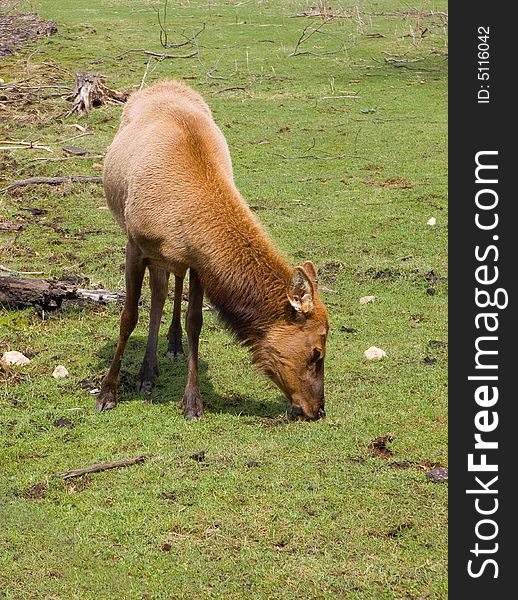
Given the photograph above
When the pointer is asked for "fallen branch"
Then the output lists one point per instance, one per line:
(100, 295)
(164, 35)
(214, 69)
(232, 87)
(46, 294)
(403, 60)
(307, 32)
(156, 54)
(316, 157)
(75, 137)
(51, 181)
(9, 226)
(61, 158)
(23, 146)
(126, 462)
(2, 268)
(326, 290)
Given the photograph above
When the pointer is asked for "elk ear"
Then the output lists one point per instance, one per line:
(309, 267)
(300, 291)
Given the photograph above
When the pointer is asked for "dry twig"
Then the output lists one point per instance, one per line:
(307, 32)
(101, 467)
(164, 35)
(51, 181)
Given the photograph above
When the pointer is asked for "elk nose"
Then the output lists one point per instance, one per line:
(321, 413)
(296, 411)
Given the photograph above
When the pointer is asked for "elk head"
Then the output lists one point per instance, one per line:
(292, 351)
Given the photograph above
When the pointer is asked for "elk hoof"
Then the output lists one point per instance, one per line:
(106, 400)
(145, 381)
(145, 385)
(192, 406)
(175, 353)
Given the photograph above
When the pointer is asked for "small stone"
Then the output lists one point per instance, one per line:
(438, 475)
(431, 221)
(97, 166)
(367, 299)
(374, 353)
(14, 358)
(60, 372)
(74, 150)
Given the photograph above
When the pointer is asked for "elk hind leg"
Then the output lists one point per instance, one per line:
(174, 346)
(158, 280)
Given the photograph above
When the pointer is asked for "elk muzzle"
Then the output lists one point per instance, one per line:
(297, 412)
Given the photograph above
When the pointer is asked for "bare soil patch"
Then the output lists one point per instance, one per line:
(18, 28)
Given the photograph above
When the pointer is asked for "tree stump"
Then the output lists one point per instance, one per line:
(90, 91)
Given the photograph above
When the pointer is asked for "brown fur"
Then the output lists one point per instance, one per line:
(168, 181)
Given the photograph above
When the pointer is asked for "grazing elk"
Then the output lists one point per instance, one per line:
(168, 182)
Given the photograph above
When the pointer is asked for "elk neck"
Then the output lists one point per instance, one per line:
(244, 276)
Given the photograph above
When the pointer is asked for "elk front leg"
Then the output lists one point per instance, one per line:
(192, 404)
(158, 279)
(135, 268)
(174, 347)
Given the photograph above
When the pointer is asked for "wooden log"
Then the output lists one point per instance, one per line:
(47, 294)
(20, 292)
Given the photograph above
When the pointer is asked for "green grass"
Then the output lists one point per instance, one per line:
(276, 509)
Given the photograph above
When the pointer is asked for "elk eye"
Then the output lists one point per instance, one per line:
(315, 356)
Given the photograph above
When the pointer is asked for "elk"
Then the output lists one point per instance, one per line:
(168, 182)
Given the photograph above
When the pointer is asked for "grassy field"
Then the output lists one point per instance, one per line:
(339, 146)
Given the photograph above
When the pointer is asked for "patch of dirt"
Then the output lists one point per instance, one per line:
(171, 496)
(437, 344)
(379, 447)
(18, 28)
(271, 422)
(10, 376)
(403, 464)
(389, 274)
(198, 456)
(398, 530)
(433, 278)
(63, 422)
(35, 492)
(356, 460)
(78, 485)
(398, 182)
(329, 272)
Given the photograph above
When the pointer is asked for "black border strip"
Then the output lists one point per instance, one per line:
(477, 127)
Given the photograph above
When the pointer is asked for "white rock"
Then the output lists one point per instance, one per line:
(14, 358)
(431, 221)
(59, 372)
(367, 299)
(374, 353)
